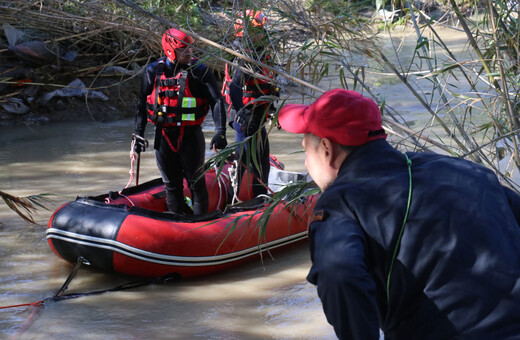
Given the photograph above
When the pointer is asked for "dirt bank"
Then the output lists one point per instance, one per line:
(102, 99)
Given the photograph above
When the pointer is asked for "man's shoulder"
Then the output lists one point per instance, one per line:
(434, 160)
(334, 196)
(152, 67)
(201, 72)
(198, 65)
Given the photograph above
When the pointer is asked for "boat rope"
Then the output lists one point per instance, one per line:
(127, 198)
(221, 180)
(81, 260)
(233, 176)
(133, 158)
(60, 296)
(36, 305)
(108, 200)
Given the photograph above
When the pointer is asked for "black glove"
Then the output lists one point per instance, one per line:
(140, 143)
(218, 141)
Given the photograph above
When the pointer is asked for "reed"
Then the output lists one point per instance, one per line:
(478, 94)
(26, 207)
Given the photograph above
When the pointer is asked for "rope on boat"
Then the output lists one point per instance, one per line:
(221, 184)
(124, 196)
(60, 296)
(81, 260)
(133, 158)
(36, 305)
(233, 176)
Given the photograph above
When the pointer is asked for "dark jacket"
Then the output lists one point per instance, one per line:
(202, 84)
(457, 272)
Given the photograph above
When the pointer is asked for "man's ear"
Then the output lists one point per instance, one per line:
(332, 153)
(328, 151)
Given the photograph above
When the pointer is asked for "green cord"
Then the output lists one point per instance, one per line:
(396, 250)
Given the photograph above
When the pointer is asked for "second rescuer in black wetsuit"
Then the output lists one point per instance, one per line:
(244, 92)
(176, 94)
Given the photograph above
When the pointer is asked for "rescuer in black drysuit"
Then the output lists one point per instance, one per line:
(176, 94)
(248, 111)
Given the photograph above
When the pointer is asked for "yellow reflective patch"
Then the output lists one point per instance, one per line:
(188, 116)
(188, 102)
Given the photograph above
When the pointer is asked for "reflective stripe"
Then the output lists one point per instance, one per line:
(188, 116)
(188, 102)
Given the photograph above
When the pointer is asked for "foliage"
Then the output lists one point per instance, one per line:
(25, 207)
(178, 11)
(478, 96)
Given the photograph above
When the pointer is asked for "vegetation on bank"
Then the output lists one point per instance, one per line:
(472, 100)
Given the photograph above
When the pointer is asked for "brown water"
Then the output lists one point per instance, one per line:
(261, 300)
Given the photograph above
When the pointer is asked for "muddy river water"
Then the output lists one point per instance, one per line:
(267, 299)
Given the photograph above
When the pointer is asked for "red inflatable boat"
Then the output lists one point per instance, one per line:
(129, 232)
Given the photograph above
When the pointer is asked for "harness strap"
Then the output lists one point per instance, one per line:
(169, 82)
(190, 107)
(182, 81)
(169, 94)
(179, 140)
(160, 118)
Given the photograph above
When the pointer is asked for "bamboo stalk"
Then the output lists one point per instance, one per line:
(472, 41)
(421, 100)
(441, 93)
(513, 121)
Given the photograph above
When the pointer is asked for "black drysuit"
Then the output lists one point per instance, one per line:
(181, 152)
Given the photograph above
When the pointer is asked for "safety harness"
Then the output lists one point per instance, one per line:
(171, 103)
(253, 88)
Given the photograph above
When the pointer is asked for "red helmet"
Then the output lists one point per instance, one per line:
(254, 18)
(173, 39)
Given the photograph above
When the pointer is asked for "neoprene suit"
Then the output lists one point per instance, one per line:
(180, 153)
(262, 144)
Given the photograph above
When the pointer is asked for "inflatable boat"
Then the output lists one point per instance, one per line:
(130, 232)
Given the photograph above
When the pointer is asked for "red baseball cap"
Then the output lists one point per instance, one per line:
(343, 116)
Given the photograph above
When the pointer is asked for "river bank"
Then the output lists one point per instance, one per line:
(89, 68)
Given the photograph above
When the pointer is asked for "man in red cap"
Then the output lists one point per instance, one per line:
(419, 245)
(177, 92)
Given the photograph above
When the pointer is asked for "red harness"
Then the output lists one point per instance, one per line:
(171, 103)
(254, 88)
(172, 100)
